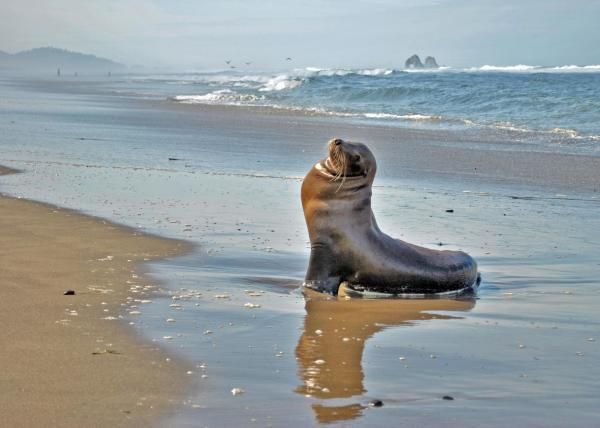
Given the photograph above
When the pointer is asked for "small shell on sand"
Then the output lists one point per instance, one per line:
(253, 294)
(170, 320)
(251, 305)
(237, 391)
(134, 313)
(319, 362)
(222, 296)
(318, 332)
(167, 337)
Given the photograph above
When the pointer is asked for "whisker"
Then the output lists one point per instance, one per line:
(335, 155)
(342, 172)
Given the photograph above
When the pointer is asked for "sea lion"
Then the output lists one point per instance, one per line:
(347, 245)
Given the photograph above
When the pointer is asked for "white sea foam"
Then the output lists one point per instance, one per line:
(518, 67)
(427, 70)
(571, 133)
(376, 72)
(316, 71)
(401, 116)
(281, 82)
(522, 68)
(577, 68)
(508, 126)
(222, 96)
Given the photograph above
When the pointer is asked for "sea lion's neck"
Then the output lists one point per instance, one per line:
(324, 167)
(350, 188)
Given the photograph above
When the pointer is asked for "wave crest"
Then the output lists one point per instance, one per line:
(222, 96)
(316, 71)
(280, 83)
(518, 67)
(523, 68)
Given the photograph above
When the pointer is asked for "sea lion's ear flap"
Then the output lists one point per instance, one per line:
(336, 141)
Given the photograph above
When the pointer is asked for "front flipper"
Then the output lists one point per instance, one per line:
(321, 267)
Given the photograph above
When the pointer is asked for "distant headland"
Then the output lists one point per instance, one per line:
(415, 62)
(57, 61)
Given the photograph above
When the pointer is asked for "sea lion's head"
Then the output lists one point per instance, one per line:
(348, 159)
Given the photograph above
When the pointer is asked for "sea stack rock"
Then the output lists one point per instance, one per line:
(431, 63)
(413, 62)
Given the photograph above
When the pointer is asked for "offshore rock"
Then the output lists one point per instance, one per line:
(431, 63)
(413, 62)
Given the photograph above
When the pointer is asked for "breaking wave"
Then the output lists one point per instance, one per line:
(522, 68)
(222, 96)
(553, 103)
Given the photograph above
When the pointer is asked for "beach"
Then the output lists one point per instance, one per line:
(69, 360)
(229, 308)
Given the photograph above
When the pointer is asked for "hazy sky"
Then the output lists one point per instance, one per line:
(338, 33)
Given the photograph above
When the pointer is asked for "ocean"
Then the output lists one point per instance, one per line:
(549, 106)
(217, 158)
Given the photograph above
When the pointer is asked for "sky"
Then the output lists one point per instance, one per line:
(203, 34)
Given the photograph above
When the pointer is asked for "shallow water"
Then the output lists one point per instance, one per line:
(523, 353)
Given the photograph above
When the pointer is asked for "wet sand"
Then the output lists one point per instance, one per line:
(70, 360)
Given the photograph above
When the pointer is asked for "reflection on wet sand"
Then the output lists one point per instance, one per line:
(330, 350)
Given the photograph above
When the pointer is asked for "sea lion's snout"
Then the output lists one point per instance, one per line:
(334, 142)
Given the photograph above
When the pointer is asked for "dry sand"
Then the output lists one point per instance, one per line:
(62, 363)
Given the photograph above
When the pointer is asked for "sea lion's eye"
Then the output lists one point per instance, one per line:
(356, 158)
